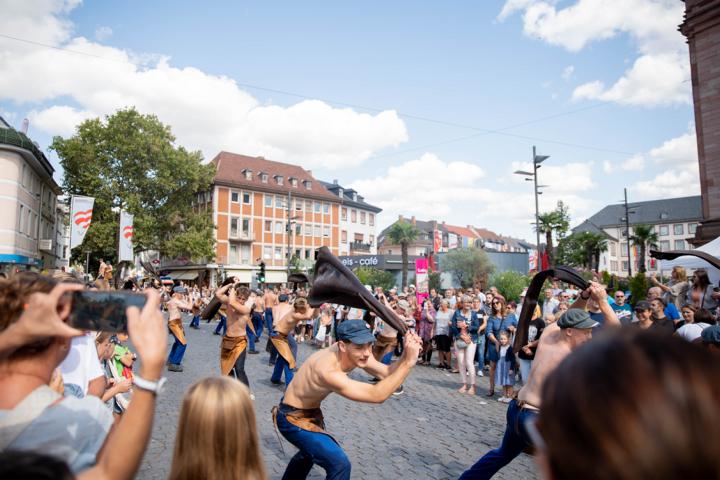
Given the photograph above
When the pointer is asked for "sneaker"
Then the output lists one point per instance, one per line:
(175, 368)
(253, 352)
(480, 373)
(216, 333)
(501, 399)
(399, 391)
(276, 382)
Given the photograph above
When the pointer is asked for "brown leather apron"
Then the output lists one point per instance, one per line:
(309, 419)
(283, 347)
(176, 327)
(230, 349)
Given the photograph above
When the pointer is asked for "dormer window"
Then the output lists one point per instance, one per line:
(293, 181)
(340, 192)
(308, 185)
(264, 177)
(354, 197)
(248, 174)
(279, 179)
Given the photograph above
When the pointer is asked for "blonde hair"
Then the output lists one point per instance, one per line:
(217, 435)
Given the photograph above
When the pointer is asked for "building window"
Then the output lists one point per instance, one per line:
(308, 185)
(664, 245)
(372, 239)
(233, 254)
(316, 230)
(234, 197)
(624, 266)
(278, 227)
(359, 238)
(246, 197)
(298, 204)
(362, 218)
(267, 253)
(264, 177)
(613, 249)
(692, 228)
(663, 231)
(613, 265)
(623, 249)
(308, 230)
(353, 216)
(233, 227)
(293, 182)
(316, 207)
(278, 253)
(372, 219)
(343, 236)
(308, 253)
(246, 226)
(678, 229)
(298, 229)
(279, 179)
(679, 245)
(268, 200)
(268, 226)
(326, 231)
(326, 208)
(343, 214)
(244, 253)
(278, 201)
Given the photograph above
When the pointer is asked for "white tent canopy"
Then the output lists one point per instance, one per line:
(693, 263)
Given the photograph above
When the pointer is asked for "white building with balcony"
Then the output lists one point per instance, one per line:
(673, 219)
(358, 221)
(28, 196)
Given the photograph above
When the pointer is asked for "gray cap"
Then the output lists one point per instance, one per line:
(643, 305)
(179, 290)
(576, 318)
(355, 331)
(711, 334)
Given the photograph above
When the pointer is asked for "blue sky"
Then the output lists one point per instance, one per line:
(614, 75)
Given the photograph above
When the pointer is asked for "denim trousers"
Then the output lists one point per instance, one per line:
(222, 325)
(257, 321)
(525, 366)
(195, 321)
(513, 443)
(480, 352)
(282, 366)
(315, 448)
(176, 352)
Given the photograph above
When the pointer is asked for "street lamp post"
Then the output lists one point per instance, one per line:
(537, 160)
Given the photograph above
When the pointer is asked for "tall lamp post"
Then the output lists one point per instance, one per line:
(288, 231)
(533, 176)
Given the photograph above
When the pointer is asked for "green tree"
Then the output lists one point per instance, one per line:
(638, 286)
(510, 284)
(403, 233)
(643, 236)
(434, 281)
(581, 249)
(468, 265)
(130, 161)
(557, 222)
(375, 278)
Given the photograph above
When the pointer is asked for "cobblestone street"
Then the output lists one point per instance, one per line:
(429, 432)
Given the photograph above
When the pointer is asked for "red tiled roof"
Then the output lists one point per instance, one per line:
(486, 234)
(462, 231)
(230, 168)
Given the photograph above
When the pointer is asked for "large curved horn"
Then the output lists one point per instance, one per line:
(565, 274)
(333, 282)
(213, 306)
(673, 254)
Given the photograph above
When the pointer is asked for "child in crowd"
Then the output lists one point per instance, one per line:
(505, 372)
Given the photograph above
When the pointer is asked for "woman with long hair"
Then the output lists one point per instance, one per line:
(426, 330)
(677, 287)
(464, 328)
(217, 435)
(496, 323)
(700, 292)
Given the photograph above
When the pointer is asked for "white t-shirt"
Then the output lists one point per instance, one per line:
(356, 314)
(691, 331)
(82, 363)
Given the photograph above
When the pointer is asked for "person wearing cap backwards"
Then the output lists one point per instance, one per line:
(240, 302)
(286, 317)
(176, 303)
(558, 340)
(299, 418)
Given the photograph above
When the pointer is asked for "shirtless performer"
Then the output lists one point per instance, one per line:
(239, 302)
(558, 340)
(299, 418)
(176, 303)
(104, 275)
(286, 317)
(269, 301)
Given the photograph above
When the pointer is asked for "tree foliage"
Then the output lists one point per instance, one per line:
(375, 278)
(468, 265)
(403, 233)
(510, 284)
(643, 236)
(581, 249)
(130, 161)
(638, 287)
(557, 222)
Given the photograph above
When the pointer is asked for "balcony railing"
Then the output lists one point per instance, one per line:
(242, 237)
(360, 246)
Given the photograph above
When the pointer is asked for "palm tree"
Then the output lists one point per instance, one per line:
(556, 221)
(594, 244)
(643, 236)
(403, 233)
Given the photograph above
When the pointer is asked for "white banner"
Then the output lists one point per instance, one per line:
(125, 252)
(452, 241)
(81, 209)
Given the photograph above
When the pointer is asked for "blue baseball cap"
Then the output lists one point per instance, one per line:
(711, 334)
(355, 331)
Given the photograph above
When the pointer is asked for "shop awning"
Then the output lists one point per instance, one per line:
(184, 275)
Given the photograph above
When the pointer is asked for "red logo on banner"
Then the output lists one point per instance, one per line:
(128, 232)
(82, 219)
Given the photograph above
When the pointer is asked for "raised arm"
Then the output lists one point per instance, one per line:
(599, 294)
(221, 293)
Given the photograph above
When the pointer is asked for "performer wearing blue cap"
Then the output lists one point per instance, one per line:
(174, 305)
(299, 418)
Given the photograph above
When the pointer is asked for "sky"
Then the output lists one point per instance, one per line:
(426, 108)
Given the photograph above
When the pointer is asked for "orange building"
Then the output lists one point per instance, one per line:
(257, 203)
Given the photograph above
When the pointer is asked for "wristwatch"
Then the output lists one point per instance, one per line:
(154, 387)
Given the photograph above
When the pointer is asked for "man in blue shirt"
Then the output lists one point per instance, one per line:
(623, 311)
(671, 310)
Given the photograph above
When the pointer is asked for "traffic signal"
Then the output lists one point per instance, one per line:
(261, 275)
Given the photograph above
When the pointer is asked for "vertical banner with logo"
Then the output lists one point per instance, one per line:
(125, 252)
(452, 241)
(533, 260)
(422, 281)
(437, 241)
(81, 209)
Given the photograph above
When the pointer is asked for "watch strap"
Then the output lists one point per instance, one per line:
(149, 385)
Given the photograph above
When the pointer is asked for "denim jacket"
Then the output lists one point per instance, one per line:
(495, 325)
(473, 324)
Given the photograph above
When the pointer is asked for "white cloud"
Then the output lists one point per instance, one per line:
(634, 163)
(103, 33)
(679, 150)
(567, 72)
(206, 112)
(657, 76)
(607, 167)
(560, 179)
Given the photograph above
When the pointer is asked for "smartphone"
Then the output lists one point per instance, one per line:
(103, 311)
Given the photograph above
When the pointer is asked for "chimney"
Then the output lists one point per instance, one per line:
(335, 182)
(309, 172)
(412, 220)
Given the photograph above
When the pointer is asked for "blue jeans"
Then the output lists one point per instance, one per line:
(387, 358)
(480, 351)
(257, 320)
(195, 321)
(268, 319)
(282, 366)
(222, 325)
(176, 352)
(315, 448)
(513, 443)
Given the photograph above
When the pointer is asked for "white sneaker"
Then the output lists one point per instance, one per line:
(502, 399)
(480, 373)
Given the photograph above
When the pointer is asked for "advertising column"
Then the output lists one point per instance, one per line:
(422, 281)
